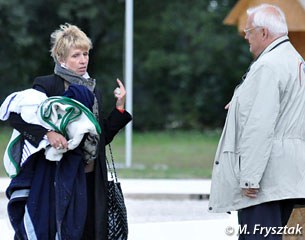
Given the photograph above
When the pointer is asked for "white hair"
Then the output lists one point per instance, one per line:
(270, 17)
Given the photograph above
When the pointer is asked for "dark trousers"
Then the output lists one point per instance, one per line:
(252, 220)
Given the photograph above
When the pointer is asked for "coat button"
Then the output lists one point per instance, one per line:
(210, 208)
(216, 162)
(246, 184)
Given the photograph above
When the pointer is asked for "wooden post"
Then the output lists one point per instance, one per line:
(297, 218)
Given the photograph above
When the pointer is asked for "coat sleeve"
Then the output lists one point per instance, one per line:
(31, 132)
(114, 123)
(258, 111)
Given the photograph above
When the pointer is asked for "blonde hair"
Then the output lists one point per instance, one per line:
(66, 37)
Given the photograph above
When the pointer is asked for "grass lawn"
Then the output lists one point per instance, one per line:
(175, 154)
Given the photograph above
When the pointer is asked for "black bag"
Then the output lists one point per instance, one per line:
(117, 214)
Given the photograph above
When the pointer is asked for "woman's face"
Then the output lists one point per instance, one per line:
(77, 60)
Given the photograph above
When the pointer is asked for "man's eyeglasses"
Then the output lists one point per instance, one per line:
(247, 30)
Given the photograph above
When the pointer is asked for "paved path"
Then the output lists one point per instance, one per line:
(188, 230)
(156, 187)
(160, 210)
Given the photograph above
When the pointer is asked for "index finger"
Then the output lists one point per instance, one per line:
(119, 82)
(121, 85)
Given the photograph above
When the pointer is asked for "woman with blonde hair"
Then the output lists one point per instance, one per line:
(66, 199)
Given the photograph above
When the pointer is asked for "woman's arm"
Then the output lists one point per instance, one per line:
(50, 85)
(114, 123)
(31, 132)
(118, 118)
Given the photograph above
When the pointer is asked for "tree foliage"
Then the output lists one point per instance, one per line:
(186, 61)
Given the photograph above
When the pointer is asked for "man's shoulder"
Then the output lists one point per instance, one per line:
(279, 60)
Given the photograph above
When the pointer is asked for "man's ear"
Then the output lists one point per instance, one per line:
(265, 33)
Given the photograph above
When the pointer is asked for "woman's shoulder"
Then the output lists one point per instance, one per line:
(51, 84)
(47, 79)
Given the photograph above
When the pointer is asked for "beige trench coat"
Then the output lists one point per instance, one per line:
(263, 140)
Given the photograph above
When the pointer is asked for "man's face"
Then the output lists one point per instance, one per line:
(254, 37)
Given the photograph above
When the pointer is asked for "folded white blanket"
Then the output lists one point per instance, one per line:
(64, 115)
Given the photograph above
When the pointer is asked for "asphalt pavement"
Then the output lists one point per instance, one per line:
(161, 210)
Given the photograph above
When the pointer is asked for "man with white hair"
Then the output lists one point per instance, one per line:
(259, 167)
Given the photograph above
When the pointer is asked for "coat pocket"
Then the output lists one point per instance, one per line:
(234, 163)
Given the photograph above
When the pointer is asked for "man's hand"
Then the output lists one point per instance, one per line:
(250, 192)
(227, 106)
